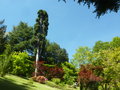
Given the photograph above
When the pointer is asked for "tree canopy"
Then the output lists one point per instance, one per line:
(2, 36)
(40, 31)
(83, 55)
(100, 45)
(21, 37)
(104, 61)
(101, 6)
(54, 54)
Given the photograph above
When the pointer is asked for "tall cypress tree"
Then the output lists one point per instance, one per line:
(40, 29)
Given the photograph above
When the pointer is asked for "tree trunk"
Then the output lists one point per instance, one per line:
(37, 58)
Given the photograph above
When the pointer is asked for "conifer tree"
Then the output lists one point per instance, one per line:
(40, 33)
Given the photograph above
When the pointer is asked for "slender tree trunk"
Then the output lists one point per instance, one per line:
(37, 58)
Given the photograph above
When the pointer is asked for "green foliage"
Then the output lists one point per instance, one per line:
(40, 33)
(2, 37)
(11, 82)
(52, 84)
(69, 79)
(54, 54)
(41, 25)
(48, 65)
(83, 55)
(3, 65)
(41, 29)
(110, 60)
(21, 65)
(101, 6)
(107, 55)
(115, 43)
(70, 73)
(5, 61)
(20, 38)
(105, 58)
(56, 80)
(99, 45)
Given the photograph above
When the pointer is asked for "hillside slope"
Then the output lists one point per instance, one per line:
(11, 82)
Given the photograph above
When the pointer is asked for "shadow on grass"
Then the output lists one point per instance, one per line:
(10, 85)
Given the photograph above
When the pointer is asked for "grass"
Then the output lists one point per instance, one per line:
(61, 86)
(11, 82)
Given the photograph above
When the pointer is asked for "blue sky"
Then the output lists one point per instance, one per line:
(71, 25)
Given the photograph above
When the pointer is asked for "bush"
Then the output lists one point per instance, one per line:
(87, 78)
(40, 79)
(69, 79)
(49, 71)
(70, 73)
(56, 80)
(21, 65)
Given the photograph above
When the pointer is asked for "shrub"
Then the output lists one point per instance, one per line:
(70, 73)
(56, 80)
(69, 79)
(40, 79)
(49, 72)
(87, 78)
(21, 65)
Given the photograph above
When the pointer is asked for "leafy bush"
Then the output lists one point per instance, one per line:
(56, 80)
(41, 79)
(69, 79)
(21, 65)
(49, 71)
(87, 78)
(70, 73)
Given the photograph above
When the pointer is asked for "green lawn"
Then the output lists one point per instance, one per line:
(10, 82)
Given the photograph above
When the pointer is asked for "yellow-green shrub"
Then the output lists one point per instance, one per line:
(21, 65)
